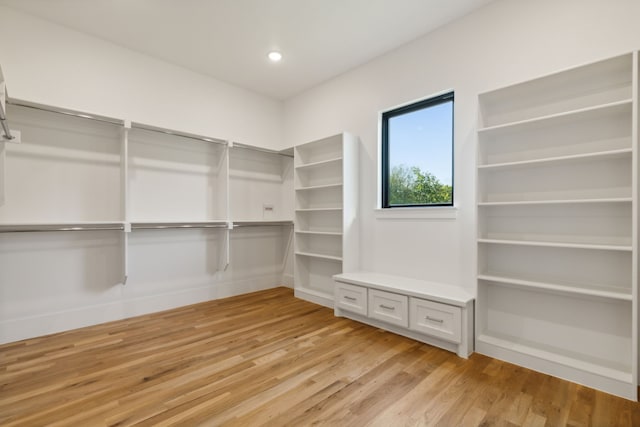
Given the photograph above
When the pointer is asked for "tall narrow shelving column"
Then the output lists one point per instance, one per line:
(557, 225)
(326, 229)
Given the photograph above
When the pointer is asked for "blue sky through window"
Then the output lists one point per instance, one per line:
(423, 138)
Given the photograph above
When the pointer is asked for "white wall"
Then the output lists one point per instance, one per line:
(505, 42)
(50, 64)
(51, 282)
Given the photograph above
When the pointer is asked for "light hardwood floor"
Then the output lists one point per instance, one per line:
(269, 359)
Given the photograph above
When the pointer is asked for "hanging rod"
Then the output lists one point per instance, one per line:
(64, 111)
(28, 228)
(5, 126)
(167, 225)
(262, 224)
(176, 133)
(262, 150)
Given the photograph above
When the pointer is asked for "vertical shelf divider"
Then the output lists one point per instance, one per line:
(225, 173)
(124, 198)
(635, 141)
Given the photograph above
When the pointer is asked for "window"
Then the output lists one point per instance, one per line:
(417, 154)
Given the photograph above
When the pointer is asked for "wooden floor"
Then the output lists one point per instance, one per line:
(270, 359)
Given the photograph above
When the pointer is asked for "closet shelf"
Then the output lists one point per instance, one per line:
(282, 223)
(556, 356)
(319, 210)
(556, 244)
(316, 255)
(61, 226)
(319, 233)
(157, 225)
(599, 291)
(558, 202)
(602, 155)
(319, 187)
(313, 165)
(623, 106)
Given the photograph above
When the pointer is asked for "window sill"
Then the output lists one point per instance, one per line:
(426, 213)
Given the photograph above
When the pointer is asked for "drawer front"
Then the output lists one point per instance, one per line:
(389, 307)
(435, 319)
(351, 298)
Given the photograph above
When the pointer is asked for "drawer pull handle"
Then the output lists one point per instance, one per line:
(433, 319)
(387, 307)
(349, 298)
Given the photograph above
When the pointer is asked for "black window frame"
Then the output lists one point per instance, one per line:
(384, 136)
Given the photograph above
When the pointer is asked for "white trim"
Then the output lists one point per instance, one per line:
(379, 171)
(423, 98)
(610, 381)
(124, 307)
(420, 213)
(314, 297)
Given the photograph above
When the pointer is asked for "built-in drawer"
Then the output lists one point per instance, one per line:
(351, 298)
(435, 319)
(389, 307)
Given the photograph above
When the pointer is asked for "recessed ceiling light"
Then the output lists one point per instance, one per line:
(275, 56)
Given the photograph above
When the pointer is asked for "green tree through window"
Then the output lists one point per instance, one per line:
(410, 185)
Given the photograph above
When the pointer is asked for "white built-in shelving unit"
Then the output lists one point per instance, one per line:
(179, 217)
(326, 230)
(558, 224)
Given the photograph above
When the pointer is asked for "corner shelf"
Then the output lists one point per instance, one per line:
(320, 164)
(61, 226)
(318, 187)
(326, 233)
(322, 256)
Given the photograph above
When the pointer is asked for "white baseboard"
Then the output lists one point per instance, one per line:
(314, 297)
(21, 328)
(287, 280)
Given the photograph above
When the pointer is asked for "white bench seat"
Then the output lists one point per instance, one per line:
(434, 313)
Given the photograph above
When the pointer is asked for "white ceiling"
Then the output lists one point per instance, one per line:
(230, 39)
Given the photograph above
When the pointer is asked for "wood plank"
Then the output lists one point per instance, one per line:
(268, 358)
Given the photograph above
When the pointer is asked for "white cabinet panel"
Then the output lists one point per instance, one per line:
(389, 307)
(351, 298)
(440, 320)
